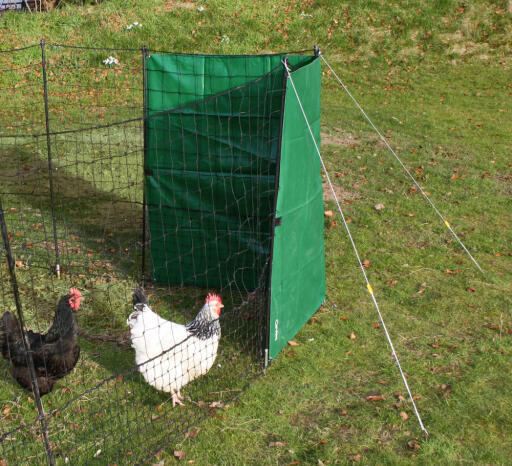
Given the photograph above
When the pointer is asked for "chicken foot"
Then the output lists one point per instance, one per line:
(176, 398)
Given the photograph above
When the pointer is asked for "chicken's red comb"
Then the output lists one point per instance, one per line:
(213, 297)
(75, 292)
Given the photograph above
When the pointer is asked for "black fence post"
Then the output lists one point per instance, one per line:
(144, 121)
(275, 223)
(26, 344)
(50, 167)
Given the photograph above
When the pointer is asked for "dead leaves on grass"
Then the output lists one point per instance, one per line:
(180, 454)
(413, 444)
(377, 397)
(403, 415)
(277, 444)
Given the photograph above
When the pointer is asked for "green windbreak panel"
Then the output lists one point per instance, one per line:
(298, 264)
(177, 80)
(210, 173)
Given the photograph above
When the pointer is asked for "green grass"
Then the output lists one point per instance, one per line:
(433, 76)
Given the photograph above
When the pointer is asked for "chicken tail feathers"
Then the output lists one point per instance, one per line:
(139, 297)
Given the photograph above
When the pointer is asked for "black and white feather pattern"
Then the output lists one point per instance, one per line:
(170, 355)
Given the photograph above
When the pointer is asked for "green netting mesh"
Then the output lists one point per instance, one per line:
(225, 147)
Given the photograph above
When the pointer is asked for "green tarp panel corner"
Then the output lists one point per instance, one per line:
(298, 264)
(217, 144)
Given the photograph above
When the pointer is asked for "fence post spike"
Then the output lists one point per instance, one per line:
(26, 343)
(49, 154)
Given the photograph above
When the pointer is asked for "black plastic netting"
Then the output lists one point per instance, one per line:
(72, 193)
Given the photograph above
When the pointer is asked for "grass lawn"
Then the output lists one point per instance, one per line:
(434, 76)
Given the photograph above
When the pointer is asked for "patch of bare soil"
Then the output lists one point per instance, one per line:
(375, 140)
(341, 193)
(171, 5)
(340, 139)
(506, 181)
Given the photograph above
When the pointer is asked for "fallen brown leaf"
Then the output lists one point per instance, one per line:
(193, 433)
(277, 444)
(218, 404)
(180, 454)
(352, 336)
(356, 458)
(328, 213)
(293, 343)
(375, 398)
(366, 263)
(413, 445)
(379, 207)
(404, 416)
(471, 289)
(393, 282)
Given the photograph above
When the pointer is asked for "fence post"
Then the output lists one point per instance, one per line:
(275, 223)
(26, 344)
(144, 121)
(50, 167)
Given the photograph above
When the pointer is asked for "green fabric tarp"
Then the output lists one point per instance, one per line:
(216, 139)
(298, 265)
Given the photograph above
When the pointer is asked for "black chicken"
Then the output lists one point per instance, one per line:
(55, 353)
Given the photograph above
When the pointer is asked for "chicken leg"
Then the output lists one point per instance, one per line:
(176, 399)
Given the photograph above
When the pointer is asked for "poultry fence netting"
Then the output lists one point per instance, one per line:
(72, 186)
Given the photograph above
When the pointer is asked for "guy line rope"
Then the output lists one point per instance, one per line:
(401, 164)
(368, 286)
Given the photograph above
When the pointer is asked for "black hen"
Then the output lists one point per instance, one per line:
(54, 354)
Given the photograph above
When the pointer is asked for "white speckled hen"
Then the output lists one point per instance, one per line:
(170, 355)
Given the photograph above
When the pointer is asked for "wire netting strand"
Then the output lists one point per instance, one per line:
(221, 147)
(424, 194)
(369, 287)
(24, 339)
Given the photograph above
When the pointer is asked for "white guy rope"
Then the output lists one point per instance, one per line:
(368, 286)
(402, 165)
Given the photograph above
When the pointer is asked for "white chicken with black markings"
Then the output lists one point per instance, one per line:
(170, 355)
